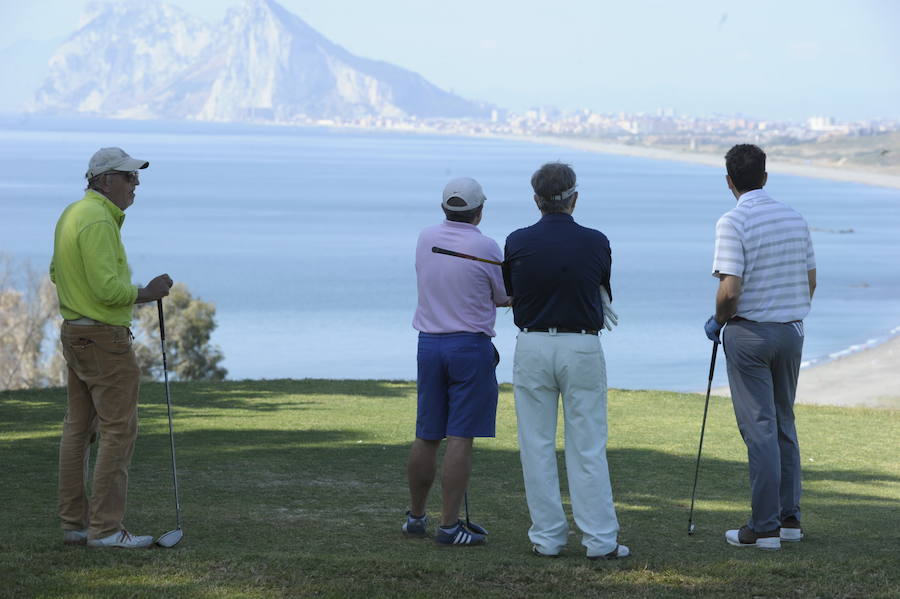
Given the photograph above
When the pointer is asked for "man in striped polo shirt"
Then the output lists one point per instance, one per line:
(766, 268)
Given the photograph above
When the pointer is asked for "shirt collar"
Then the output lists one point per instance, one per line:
(458, 225)
(753, 194)
(557, 217)
(115, 212)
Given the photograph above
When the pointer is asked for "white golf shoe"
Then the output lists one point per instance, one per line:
(790, 530)
(746, 537)
(122, 540)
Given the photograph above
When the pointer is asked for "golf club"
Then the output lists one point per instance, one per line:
(712, 368)
(173, 537)
(476, 528)
(438, 250)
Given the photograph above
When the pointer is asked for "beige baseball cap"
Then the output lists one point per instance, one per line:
(112, 159)
(466, 189)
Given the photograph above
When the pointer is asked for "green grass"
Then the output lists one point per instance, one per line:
(297, 489)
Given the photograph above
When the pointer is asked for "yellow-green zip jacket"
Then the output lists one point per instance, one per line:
(89, 266)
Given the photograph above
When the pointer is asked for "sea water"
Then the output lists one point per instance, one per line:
(304, 239)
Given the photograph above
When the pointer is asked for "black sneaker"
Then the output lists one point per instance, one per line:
(618, 553)
(745, 537)
(460, 536)
(539, 553)
(790, 530)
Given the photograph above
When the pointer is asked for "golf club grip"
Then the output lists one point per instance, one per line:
(162, 322)
(446, 252)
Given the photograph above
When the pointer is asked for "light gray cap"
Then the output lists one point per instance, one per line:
(112, 159)
(466, 189)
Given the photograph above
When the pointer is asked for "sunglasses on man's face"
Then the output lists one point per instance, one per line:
(130, 176)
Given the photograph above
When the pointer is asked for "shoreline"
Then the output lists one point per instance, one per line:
(812, 171)
(866, 378)
(869, 377)
(858, 378)
(787, 167)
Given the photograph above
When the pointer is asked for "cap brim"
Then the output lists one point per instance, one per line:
(132, 164)
(127, 164)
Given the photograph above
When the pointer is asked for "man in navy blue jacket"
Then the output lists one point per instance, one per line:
(558, 273)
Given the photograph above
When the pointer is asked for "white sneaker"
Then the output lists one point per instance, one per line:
(790, 530)
(123, 540)
(745, 537)
(74, 537)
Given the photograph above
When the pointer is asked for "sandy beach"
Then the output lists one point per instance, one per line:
(772, 166)
(870, 377)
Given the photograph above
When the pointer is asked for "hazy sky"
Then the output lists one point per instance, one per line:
(766, 59)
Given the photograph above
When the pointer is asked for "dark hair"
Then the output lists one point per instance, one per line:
(461, 216)
(746, 165)
(551, 180)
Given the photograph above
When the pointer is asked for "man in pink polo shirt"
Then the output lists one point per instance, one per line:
(457, 384)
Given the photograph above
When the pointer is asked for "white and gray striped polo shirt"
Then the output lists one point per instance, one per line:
(768, 245)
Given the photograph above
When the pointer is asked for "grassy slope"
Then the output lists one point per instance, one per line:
(297, 488)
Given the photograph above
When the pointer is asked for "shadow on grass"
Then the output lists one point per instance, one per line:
(275, 395)
(343, 388)
(337, 464)
(39, 408)
(260, 503)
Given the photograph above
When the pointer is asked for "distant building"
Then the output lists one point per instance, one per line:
(820, 123)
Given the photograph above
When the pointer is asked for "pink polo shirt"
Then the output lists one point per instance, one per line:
(456, 294)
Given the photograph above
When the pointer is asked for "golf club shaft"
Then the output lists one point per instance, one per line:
(162, 339)
(438, 250)
(712, 368)
(466, 502)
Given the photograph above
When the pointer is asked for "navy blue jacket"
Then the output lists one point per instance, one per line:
(554, 269)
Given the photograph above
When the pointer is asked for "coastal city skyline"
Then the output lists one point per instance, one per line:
(830, 61)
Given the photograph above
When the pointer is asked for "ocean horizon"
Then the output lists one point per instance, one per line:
(304, 239)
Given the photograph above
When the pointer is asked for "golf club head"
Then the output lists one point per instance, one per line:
(171, 538)
(691, 529)
(476, 528)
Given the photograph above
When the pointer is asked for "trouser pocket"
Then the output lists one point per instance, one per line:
(93, 353)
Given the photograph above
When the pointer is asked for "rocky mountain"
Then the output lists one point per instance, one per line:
(119, 57)
(147, 59)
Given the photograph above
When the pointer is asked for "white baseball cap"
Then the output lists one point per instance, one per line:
(466, 189)
(112, 159)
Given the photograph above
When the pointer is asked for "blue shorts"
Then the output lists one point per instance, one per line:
(457, 386)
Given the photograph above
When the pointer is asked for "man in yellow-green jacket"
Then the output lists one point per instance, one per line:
(96, 298)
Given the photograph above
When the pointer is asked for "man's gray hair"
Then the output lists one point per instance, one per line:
(96, 181)
(554, 184)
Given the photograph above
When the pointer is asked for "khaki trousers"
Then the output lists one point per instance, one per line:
(103, 387)
(547, 366)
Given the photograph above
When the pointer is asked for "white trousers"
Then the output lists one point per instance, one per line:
(546, 366)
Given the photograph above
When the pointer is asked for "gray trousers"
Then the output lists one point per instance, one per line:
(763, 364)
